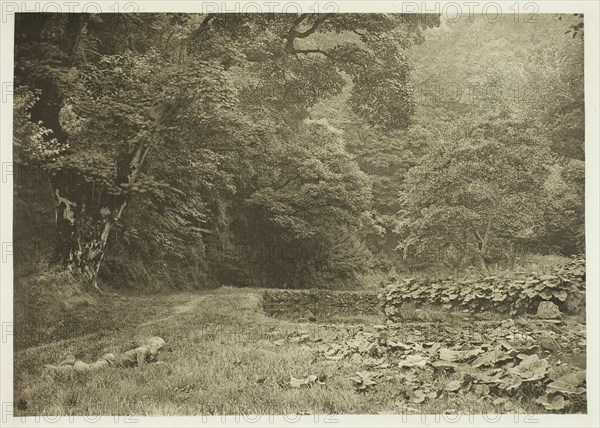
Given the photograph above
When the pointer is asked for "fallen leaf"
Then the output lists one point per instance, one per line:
(451, 355)
(363, 380)
(413, 361)
(481, 389)
(491, 358)
(356, 358)
(371, 362)
(555, 403)
(531, 368)
(453, 386)
(417, 396)
(434, 349)
(509, 383)
(335, 357)
(393, 345)
(297, 383)
(560, 295)
(568, 384)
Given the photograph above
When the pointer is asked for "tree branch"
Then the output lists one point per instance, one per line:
(201, 28)
(295, 34)
(482, 241)
(284, 184)
(299, 20)
(477, 235)
(289, 46)
(77, 44)
(486, 236)
(321, 19)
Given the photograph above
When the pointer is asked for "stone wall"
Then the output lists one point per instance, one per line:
(320, 303)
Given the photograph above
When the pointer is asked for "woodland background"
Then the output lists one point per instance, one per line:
(160, 151)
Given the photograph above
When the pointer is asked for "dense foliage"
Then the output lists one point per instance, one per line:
(503, 174)
(296, 150)
(520, 295)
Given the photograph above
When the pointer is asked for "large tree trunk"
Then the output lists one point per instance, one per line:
(482, 245)
(85, 216)
(84, 219)
(482, 263)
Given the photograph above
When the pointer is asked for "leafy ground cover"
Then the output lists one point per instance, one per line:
(564, 287)
(226, 356)
(526, 360)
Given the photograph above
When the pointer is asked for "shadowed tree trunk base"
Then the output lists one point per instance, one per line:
(483, 264)
(83, 222)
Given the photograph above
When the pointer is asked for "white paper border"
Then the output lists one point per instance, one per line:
(589, 8)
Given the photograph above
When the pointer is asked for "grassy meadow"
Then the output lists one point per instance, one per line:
(224, 355)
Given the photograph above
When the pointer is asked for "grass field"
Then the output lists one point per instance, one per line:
(224, 356)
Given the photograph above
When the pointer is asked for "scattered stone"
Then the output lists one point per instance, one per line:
(548, 310)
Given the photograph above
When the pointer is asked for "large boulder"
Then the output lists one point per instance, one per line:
(548, 310)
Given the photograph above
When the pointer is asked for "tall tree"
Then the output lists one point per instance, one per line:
(119, 105)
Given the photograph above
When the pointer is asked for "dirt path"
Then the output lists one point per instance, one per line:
(178, 310)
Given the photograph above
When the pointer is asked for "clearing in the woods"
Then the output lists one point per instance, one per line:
(225, 355)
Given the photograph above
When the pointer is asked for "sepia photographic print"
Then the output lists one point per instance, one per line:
(299, 213)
